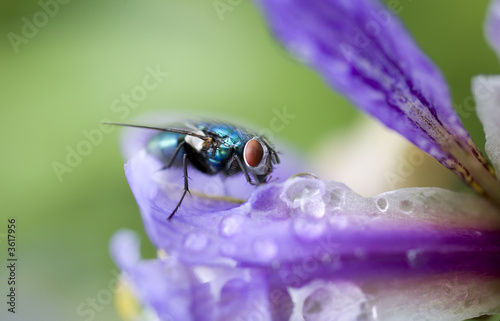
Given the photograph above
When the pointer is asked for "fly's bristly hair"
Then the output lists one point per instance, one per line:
(234, 168)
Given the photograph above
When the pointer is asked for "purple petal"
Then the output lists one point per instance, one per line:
(124, 247)
(327, 219)
(179, 292)
(165, 285)
(362, 50)
(251, 298)
(492, 26)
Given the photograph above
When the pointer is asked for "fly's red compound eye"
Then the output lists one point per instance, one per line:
(253, 153)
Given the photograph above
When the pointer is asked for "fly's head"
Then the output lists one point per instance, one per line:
(259, 158)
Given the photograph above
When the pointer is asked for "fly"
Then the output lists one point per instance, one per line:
(212, 148)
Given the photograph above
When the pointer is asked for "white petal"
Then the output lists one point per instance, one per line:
(449, 297)
(486, 91)
(446, 297)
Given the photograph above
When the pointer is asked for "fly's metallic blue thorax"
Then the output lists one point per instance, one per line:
(232, 141)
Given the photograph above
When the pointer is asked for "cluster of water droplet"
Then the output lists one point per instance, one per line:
(280, 220)
(334, 301)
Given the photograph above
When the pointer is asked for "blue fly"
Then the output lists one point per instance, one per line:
(212, 148)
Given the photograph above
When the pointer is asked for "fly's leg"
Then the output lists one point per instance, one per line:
(244, 170)
(174, 155)
(186, 188)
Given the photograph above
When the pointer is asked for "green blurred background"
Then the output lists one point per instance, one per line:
(64, 79)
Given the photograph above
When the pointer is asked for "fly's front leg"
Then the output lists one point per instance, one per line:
(174, 155)
(185, 189)
(244, 170)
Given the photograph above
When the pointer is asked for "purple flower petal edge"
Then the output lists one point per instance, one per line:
(361, 49)
(492, 26)
(155, 280)
(176, 291)
(324, 218)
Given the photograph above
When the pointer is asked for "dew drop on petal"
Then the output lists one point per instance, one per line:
(326, 259)
(341, 302)
(314, 207)
(195, 242)
(406, 206)
(335, 198)
(415, 257)
(339, 222)
(298, 191)
(265, 249)
(230, 226)
(308, 229)
(411, 256)
(232, 290)
(382, 204)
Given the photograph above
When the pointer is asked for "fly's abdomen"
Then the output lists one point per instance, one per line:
(163, 146)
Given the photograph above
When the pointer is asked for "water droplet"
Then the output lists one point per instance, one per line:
(336, 198)
(233, 289)
(382, 204)
(265, 249)
(339, 222)
(196, 242)
(340, 301)
(411, 256)
(298, 190)
(406, 206)
(230, 226)
(314, 207)
(326, 259)
(415, 257)
(309, 229)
